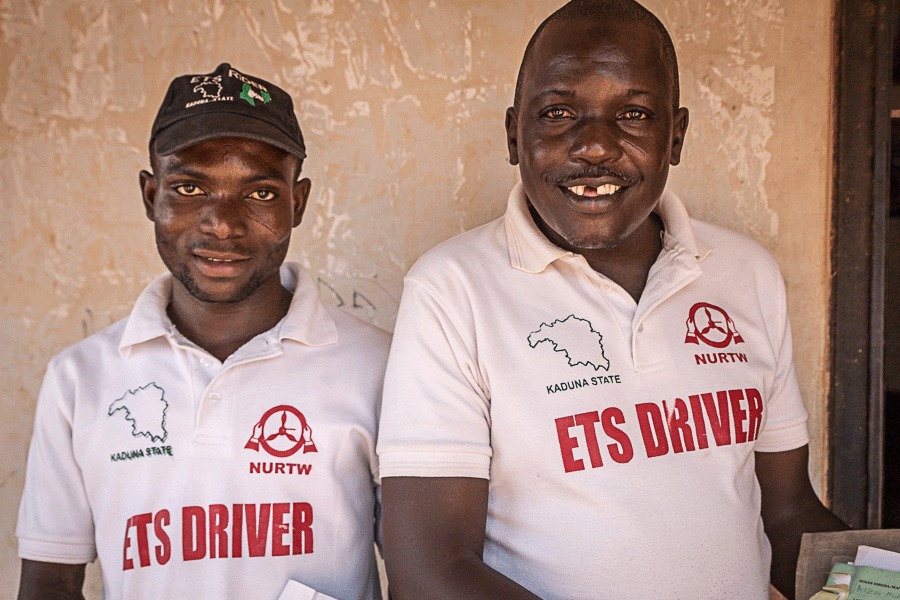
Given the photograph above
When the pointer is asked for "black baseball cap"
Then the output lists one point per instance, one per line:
(225, 103)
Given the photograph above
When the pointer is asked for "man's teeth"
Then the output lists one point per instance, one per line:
(603, 190)
(219, 259)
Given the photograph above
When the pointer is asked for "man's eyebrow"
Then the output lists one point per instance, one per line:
(630, 92)
(266, 175)
(188, 171)
(555, 92)
(183, 170)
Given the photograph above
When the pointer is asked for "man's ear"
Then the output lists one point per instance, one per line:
(679, 128)
(301, 197)
(148, 192)
(512, 136)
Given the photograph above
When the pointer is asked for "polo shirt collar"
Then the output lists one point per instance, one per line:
(532, 252)
(307, 320)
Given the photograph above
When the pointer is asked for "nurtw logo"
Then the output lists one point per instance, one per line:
(711, 325)
(276, 432)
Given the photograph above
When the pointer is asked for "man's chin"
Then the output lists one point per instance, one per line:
(217, 294)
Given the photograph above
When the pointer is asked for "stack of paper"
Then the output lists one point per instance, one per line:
(874, 573)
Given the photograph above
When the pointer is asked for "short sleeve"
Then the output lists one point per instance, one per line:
(785, 426)
(435, 419)
(55, 523)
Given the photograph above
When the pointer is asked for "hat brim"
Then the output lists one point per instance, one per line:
(202, 127)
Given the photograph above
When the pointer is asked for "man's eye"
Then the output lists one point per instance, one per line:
(263, 195)
(188, 189)
(635, 115)
(558, 113)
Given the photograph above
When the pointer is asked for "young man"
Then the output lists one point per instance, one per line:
(218, 442)
(559, 421)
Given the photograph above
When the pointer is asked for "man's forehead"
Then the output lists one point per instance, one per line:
(616, 43)
(224, 150)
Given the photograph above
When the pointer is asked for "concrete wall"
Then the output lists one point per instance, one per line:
(401, 103)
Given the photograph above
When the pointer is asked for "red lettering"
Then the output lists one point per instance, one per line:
(754, 413)
(237, 526)
(679, 430)
(723, 357)
(739, 414)
(163, 550)
(303, 534)
(127, 563)
(218, 536)
(279, 468)
(193, 533)
(587, 422)
(651, 421)
(257, 530)
(280, 529)
(140, 523)
(718, 419)
(254, 467)
(567, 444)
(699, 422)
(610, 417)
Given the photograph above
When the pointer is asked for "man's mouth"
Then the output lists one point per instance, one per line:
(593, 192)
(221, 257)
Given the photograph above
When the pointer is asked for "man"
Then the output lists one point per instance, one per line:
(594, 396)
(218, 442)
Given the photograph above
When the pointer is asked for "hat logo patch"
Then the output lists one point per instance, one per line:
(251, 95)
(210, 88)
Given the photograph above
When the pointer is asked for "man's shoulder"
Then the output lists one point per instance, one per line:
(356, 333)
(96, 348)
(729, 245)
(478, 247)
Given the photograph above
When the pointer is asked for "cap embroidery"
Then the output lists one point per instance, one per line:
(250, 95)
(210, 87)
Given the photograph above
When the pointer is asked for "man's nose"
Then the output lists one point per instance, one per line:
(596, 140)
(224, 216)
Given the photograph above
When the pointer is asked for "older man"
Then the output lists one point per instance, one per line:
(594, 396)
(219, 442)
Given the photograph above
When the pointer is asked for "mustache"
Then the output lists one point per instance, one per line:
(594, 173)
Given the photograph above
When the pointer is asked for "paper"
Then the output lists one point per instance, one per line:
(294, 590)
(868, 556)
(872, 582)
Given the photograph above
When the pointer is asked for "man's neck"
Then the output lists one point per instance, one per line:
(221, 328)
(629, 263)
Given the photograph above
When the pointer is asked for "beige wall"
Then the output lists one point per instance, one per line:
(401, 103)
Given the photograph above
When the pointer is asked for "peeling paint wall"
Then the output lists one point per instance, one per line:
(402, 105)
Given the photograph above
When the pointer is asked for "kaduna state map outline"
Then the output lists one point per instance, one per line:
(575, 338)
(146, 408)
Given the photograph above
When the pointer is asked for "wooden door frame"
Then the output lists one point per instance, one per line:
(863, 33)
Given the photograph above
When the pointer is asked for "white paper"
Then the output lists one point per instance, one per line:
(867, 556)
(294, 590)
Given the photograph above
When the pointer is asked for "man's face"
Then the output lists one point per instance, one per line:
(223, 211)
(595, 131)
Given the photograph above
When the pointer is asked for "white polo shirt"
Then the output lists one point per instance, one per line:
(618, 437)
(191, 478)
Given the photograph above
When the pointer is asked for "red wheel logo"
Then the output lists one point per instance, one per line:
(711, 325)
(281, 432)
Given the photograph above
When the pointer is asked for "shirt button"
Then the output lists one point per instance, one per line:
(606, 288)
(214, 397)
(641, 327)
(205, 362)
